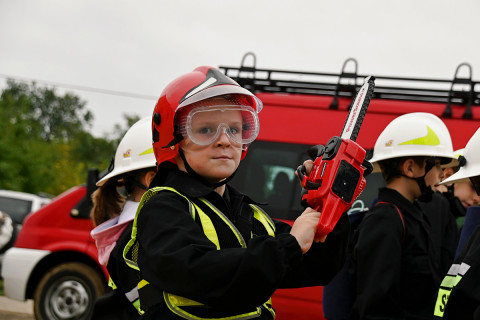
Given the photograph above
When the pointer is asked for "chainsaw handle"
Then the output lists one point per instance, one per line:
(302, 175)
(368, 167)
(306, 184)
(301, 172)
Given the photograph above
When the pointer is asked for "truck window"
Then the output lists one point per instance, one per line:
(267, 175)
(17, 209)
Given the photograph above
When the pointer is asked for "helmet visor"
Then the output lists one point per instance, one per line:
(204, 125)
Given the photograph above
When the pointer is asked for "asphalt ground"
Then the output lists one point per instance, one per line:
(15, 310)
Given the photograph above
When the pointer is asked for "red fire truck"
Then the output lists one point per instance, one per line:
(54, 261)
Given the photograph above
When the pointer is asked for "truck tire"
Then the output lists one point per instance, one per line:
(8, 232)
(68, 291)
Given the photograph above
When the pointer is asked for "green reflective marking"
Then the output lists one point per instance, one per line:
(451, 281)
(431, 139)
(146, 151)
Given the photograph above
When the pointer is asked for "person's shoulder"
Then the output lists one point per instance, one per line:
(163, 195)
(381, 214)
(167, 201)
(440, 198)
(381, 209)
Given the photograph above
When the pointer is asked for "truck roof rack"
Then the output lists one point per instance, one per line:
(459, 90)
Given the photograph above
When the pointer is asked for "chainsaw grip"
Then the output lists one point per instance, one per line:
(301, 172)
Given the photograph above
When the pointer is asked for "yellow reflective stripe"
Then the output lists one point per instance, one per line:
(130, 243)
(455, 274)
(111, 284)
(181, 301)
(208, 227)
(269, 307)
(133, 238)
(133, 264)
(442, 300)
(142, 284)
(431, 139)
(171, 302)
(264, 220)
(227, 222)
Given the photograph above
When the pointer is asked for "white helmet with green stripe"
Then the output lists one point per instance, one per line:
(134, 152)
(470, 166)
(414, 134)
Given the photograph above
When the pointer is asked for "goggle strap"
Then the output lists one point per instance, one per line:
(177, 137)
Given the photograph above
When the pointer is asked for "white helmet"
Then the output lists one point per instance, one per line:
(471, 168)
(413, 134)
(134, 152)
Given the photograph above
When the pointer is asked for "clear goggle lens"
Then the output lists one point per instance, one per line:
(204, 125)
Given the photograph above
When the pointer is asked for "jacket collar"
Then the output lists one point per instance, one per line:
(405, 206)
(168, 174)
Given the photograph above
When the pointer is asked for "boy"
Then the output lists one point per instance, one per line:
(441, 218)
(205, 250)
(459, 294)
(395, 271)
(461, 194)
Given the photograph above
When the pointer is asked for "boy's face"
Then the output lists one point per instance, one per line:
(218, 160)
(466, 193)
(434, 176)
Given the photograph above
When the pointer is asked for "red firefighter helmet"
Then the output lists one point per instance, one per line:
(200, 84)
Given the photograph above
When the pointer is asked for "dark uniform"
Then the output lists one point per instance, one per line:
(175, 256)
(115, 305)
(395, 270)
(459, 294)
(443, 228)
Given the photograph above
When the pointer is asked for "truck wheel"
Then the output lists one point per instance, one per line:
(7, 232)
(67, 291)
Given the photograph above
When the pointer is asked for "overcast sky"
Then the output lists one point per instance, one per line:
(139, 46)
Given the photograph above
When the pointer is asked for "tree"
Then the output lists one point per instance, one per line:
(44, 113)
(45, 145)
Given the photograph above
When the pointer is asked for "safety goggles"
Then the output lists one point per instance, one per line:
(204, 125)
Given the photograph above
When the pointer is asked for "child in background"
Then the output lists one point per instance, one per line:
(459, 294)
(395, 269)
(133, 169)
(461, 194)
(443, 226)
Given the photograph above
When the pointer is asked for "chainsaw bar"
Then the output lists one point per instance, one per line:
(358, 110)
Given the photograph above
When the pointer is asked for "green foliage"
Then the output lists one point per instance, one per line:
(45, 145)
(119, 131)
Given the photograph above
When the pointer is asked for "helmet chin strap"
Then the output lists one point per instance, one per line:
(426, 192)
(199, 177)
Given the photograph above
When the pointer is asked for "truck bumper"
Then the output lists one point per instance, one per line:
(17, 266)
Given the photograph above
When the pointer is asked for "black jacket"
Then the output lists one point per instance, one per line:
(464, 299)
(395, 270)
(176, 256)
(114, 305)
(443, 228)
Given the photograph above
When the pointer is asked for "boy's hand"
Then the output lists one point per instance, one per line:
(305, 228)
(308, 164)
(313, 218)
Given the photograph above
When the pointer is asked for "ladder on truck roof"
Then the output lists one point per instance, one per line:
(345, 84)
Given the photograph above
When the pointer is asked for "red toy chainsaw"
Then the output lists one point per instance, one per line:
(337, 176)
